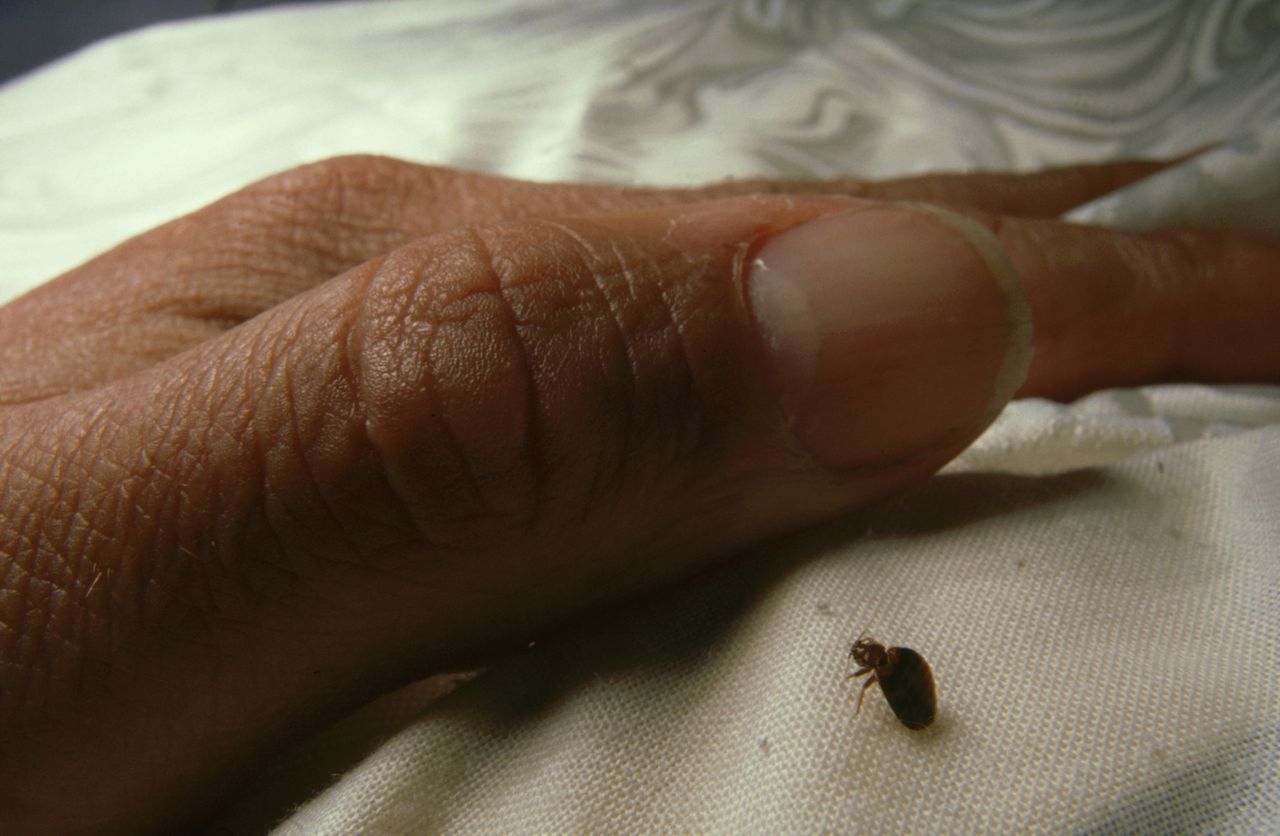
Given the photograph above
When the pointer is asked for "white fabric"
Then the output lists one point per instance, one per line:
(1096, 585)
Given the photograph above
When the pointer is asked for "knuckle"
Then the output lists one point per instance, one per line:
(519, 376)
(443, 385)
(339, 212)
(333, 173)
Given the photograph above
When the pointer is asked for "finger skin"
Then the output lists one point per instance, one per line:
(1123, 310)
(474, 437)
(187, 281)
(1037, 194)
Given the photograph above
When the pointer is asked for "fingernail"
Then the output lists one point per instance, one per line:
(890, 331)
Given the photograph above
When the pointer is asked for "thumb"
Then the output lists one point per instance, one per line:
(482, 432)
(568, 411)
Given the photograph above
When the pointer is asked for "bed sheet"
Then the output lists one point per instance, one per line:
(1096, 584)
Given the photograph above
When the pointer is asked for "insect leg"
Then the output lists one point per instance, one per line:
(871, 680)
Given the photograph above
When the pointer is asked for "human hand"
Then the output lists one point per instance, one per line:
(368, 420)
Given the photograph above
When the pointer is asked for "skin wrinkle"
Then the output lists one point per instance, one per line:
(608, 482)
(627, 408)
(220, 544)
(1170, 269)
(191, 482)
(304, 443)
(221, 290)
(361, 350)
(1198, 309)
(444, 314)
(372, 327)
(1155, 267)
(254, 578)
(31, 638)
(319, 214)
(26, 530)
(588, 318)
(582, 252)
(1096, 304)
(158, 488)
(352, 530)
(285, 453)
(41, 591)
(262, 354)
(350, 368)
(535, 434)
(339, 421)
(692, 441)
(108, 489)
(18, 645)
(479, 505)
(691, 448)
(132, 514)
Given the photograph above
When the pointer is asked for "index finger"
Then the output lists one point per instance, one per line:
(1120, 309)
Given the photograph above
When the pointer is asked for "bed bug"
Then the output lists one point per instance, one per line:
(904, 677)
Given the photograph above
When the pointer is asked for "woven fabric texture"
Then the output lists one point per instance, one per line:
(1104, 641)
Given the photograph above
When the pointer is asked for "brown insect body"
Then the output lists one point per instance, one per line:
(904, 678)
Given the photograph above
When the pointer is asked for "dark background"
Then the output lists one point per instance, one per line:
(35, 32)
